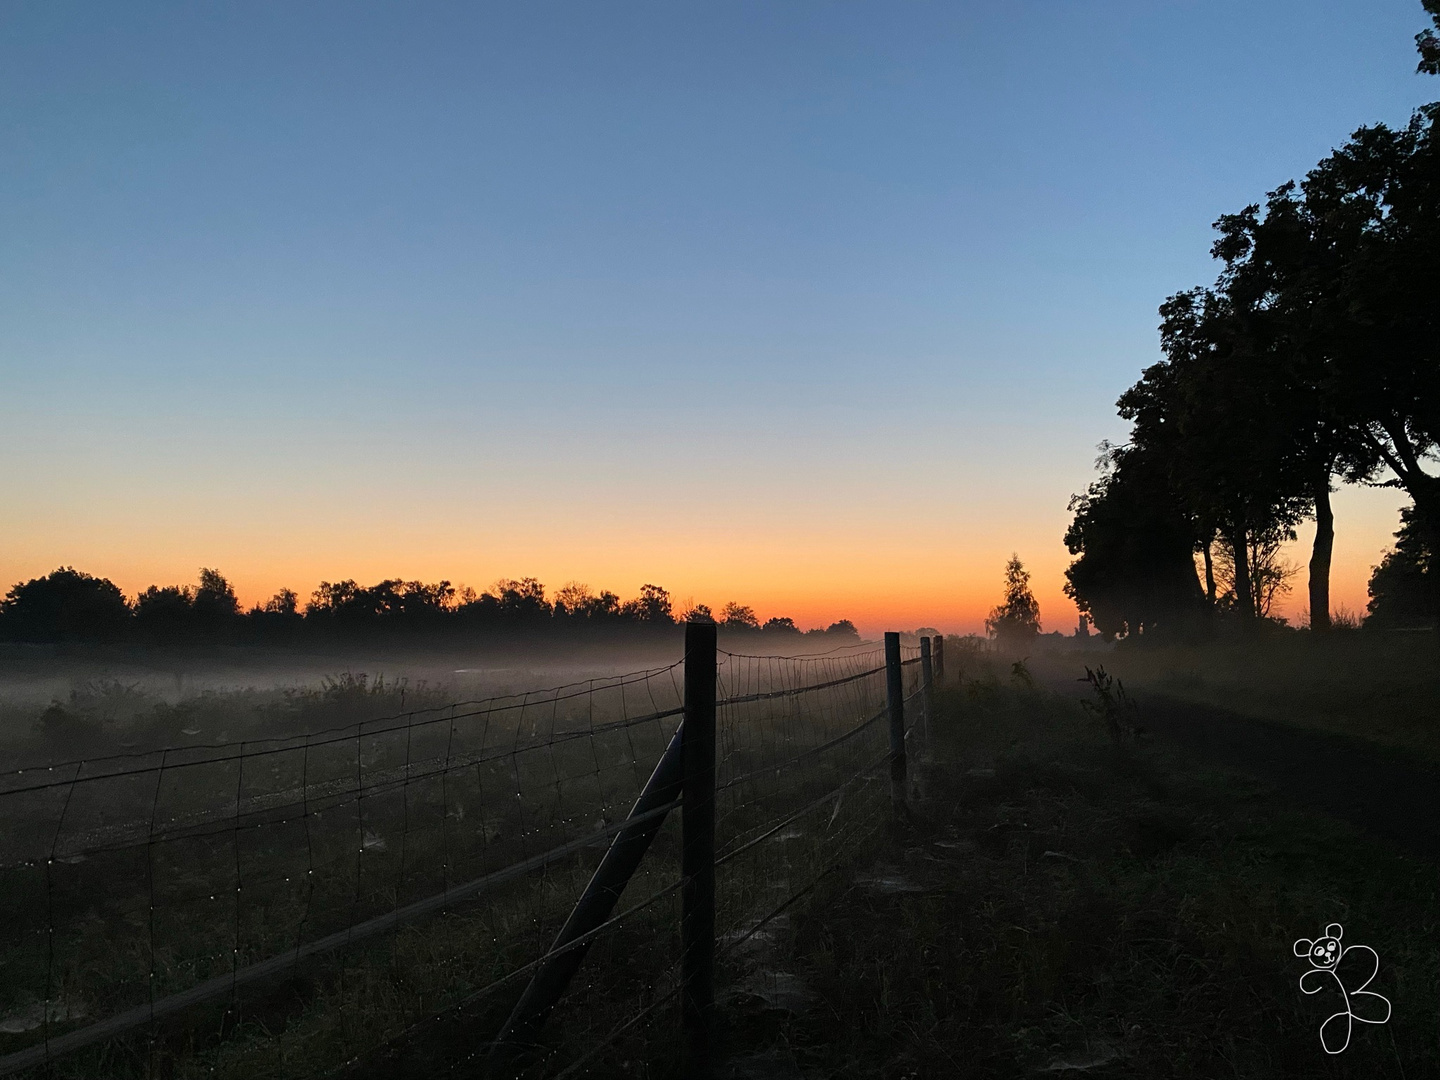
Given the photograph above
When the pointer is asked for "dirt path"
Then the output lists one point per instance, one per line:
(1373, 788)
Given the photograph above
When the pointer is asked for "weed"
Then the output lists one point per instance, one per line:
(1114, 707)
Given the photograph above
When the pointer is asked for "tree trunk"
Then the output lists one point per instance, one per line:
(1210, 572)
(1244, 592)
(1320, 559)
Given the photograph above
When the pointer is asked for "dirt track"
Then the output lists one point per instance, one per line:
(1377, 789)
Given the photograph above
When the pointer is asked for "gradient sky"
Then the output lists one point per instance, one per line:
(821, 307)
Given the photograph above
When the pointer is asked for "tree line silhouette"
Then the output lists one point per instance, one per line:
(70, 606)
(1313, 359)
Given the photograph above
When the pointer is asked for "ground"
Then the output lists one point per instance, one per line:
(1057, 903)
(1057, 900)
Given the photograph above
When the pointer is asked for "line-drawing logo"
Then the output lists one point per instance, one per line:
(1326, 956)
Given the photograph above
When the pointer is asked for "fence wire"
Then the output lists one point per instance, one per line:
(802, 791)
(140, 894)
(803, 746)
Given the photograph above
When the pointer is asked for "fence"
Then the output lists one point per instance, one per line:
(298, 905)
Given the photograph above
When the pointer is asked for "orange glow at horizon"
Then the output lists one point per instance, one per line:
(950, 605)
(879, 582)
(823, 313)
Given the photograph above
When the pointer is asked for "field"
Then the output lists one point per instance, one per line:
(1061, 904)
(1055, 900)
(431, 853)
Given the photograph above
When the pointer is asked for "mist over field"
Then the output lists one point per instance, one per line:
(61, 703)
(84, 668)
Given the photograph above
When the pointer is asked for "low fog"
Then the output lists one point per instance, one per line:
(61, 703)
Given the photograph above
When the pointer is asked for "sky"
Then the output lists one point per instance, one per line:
(818, 307)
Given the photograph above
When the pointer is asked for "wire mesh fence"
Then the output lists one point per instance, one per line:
(803, 747)
(287, 907)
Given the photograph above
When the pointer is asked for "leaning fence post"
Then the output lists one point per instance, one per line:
(895, 697)
(927, 679)
(697, 857)
(597, 902)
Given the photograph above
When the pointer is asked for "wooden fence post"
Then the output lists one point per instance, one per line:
(937, 647)
(927, 679)
(597, 902)
(895, 697)
(697, 858)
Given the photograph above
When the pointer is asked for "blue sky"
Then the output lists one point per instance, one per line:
(614, 291)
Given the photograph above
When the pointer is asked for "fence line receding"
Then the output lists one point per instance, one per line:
(288, 906)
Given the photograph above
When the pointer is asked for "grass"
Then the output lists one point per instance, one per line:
(303, 859)
(1057, 902)
(1083, 908)
(104, 715)
(1381, 687)
(268, 871)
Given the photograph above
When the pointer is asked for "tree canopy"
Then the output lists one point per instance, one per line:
(1400, 587)
(1135, 541)
(1314, 357)
(65, 605)
(70, 606)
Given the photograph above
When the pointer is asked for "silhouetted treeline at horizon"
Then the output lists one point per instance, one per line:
(69, 606)
(1314, 358)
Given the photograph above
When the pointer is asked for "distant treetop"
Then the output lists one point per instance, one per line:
(68, 605)
(1016, 620)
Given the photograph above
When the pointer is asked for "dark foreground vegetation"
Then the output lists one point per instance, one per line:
(1312, 360)
(1070, 893)
(1063, 903)
(1380, 688)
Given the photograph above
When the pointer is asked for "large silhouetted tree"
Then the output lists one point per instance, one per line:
(214, 609)
(165, 615)
(1351, 259)
(573, 600)
(215, 597)
(739, 617)
(780, 624)
(1135, 540)
(1315, 356)
(65, 605)
(1265, 258)
(652, 606)
(1400, 587)
(1346, 264)
(1377, 202)
(697, 613)
(523, 598)
(1217, 413)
